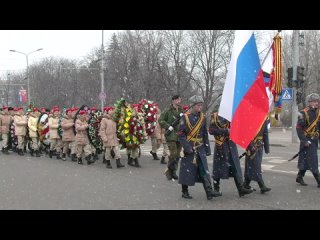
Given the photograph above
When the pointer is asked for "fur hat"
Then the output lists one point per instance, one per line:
(194, 100)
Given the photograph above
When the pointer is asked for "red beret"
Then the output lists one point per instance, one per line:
(93, 109)
(185, 107)
(56, 110)
(82, 112)
(35, 110)
(4, 107)
(15, 109)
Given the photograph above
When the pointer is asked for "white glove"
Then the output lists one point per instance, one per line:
(170, 128)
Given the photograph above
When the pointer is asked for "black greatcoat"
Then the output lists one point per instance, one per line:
(191, 173)
(308, 159)
(226, 157)
(253, 162)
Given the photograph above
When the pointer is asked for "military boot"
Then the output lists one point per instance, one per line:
(136, 163)
(6, 151)
(210, 193)
(185, 192)
(80, 161)
(168, 174)
(263, 188)
(37, 153)
(89, 160)
(69, 152)
(163, 160)
(31, 152)
(20, 152)
(58, 155)
(130, 161)
(241, 189)
(155, 156)
(317, 177)
(300, 176)
(104, 160)
(108, 164)
(50, 153)
(216, 185)
(73, 157)
(64, 157)
(119, 165)
(95, 157)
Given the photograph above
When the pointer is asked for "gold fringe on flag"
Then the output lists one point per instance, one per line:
(277, 50)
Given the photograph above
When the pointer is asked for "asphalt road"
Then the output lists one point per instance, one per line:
(42, 183)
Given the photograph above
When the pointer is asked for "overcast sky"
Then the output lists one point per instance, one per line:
(73, 44)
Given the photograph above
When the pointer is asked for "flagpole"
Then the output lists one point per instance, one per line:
(265, 57)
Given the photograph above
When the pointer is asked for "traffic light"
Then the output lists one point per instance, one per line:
(290, 76)
(300, 76)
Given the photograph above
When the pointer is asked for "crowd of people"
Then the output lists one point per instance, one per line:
(84, 133)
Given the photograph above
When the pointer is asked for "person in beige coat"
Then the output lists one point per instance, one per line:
(21, 122)
(82, 139)
(68, 134)
(5, 120)
(33, 131)
(108, 134)
(157, 139)
(55, 141)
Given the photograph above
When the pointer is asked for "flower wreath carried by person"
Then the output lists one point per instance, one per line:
(149, 114)
(130, 126)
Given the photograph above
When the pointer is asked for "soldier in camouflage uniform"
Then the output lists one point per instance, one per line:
(169, 120)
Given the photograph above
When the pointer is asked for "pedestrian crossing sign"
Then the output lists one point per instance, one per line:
(287, 94)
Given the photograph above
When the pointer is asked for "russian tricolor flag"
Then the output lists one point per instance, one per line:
(244, 100)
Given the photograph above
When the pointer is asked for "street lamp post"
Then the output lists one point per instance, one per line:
(102, 97)
(27, 55)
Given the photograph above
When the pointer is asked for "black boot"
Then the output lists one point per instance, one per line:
(80, 161)
(263, 188)
(168, 174)
(20, 152)
(300, 176)
(64, 157)
(50, 153)
(119, 165)
(89, 160)
(317, 177)
(73, 157)
(31, 152)
(174, 175)
(6, 151)
(130, 161)
(69, 152)
(241, 189)
(185, 192)
(95, 157)
(136, 163)
(155, 156)
(58, 155)
(37, 153)
(208, 188)
(216, 185)
(104, 160)
(163, 160)
(108, 164)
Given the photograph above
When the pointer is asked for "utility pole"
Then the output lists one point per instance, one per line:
(102, 94)
(295, 64)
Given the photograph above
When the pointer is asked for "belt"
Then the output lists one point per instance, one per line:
(196, 140)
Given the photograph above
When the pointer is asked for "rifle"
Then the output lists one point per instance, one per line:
(174, 124)
(297, 154)
(242, 155)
